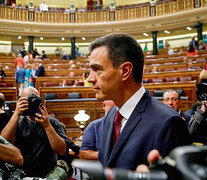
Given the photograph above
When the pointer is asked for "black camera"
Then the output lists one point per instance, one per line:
(183, 163)
(35, 102)
(201, 91)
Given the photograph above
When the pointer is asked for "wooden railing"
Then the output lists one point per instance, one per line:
(129, 13)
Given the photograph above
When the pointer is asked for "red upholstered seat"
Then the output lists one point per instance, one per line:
(156, 80)
(185, 78)
(48, 84)
(171, 79)
(2, 84)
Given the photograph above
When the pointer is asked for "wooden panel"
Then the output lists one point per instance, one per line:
(10, 81)
(10, 93)
(64, 72)
(62, 92)
(162, 67)
(10, 73)
(65, 111)
(192, 73)
(56, 80)
(189, 88)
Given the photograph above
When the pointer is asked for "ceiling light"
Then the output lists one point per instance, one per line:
(19, 37)
(189, 28)
(41, 38)
(145, 34)
(63, 39)
(167, 32)
(83, 38)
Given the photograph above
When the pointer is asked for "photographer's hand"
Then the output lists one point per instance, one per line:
(10, 129)
(43, 118)
(204, 106)
(152, 158)
(21, 106)
(56, 142)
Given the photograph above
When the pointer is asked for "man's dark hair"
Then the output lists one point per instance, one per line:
(122, 48)
(2, 100)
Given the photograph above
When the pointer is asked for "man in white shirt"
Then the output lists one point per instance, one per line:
(43, 6)
(142, 122)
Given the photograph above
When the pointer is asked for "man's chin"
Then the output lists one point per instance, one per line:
(100, 97)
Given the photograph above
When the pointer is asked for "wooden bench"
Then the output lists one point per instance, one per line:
(7, 60)
(62, 92)
(194, 74)
(189, 88)
(39, 81)
(63, 72)
(65, 110)
(10, 73)
(10, 81)
(163, 67)
(10, 93)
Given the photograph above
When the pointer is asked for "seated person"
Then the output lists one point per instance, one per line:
(172, 99)
(43, 55)
(92, 138)
(4, 117)
(10, 153)
(2, 72)
(201, 45)
(64, 57)
(191, 51)
(39, 137)
(64, 83)
(198, 124)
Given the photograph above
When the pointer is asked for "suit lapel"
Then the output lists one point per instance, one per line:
(129, 127)
(108, 134)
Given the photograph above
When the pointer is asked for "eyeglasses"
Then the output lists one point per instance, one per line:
(172, 99)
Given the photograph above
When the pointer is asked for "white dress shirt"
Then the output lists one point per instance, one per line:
(128, 107)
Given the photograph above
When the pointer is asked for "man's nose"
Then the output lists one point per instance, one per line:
(91, 78)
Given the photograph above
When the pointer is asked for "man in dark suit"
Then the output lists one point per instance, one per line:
(194, 43)
(41, 69)
(116, 63)
(172, 98)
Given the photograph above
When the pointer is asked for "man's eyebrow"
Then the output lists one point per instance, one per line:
(96, 66)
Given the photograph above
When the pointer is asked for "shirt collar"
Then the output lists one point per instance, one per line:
(128, 107)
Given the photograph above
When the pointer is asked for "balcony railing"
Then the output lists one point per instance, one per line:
(104, 15)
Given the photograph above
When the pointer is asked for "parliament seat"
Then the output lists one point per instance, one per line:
(74, 95)
(187, 78)
(50, 96)
(48, 84)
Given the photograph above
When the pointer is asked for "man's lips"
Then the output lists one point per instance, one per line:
(96, 88)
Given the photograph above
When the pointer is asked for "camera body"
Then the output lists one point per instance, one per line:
(35, 102)
(183, 163)
(201, 91)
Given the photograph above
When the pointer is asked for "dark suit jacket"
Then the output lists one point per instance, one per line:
(186, 118)
(41, 71)
(152, 125)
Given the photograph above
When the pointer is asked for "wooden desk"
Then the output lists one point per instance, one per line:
(189, 88)
(191, 73)
(62, 92)
(10, 73)
(10, 81)
(64, 72)
(10, 93)
(65, 110)
(162, 67)
(39, 81)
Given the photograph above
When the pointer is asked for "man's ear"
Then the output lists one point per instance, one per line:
(126, 70)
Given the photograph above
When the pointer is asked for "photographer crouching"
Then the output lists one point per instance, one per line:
(39, 137)
(198, 123)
